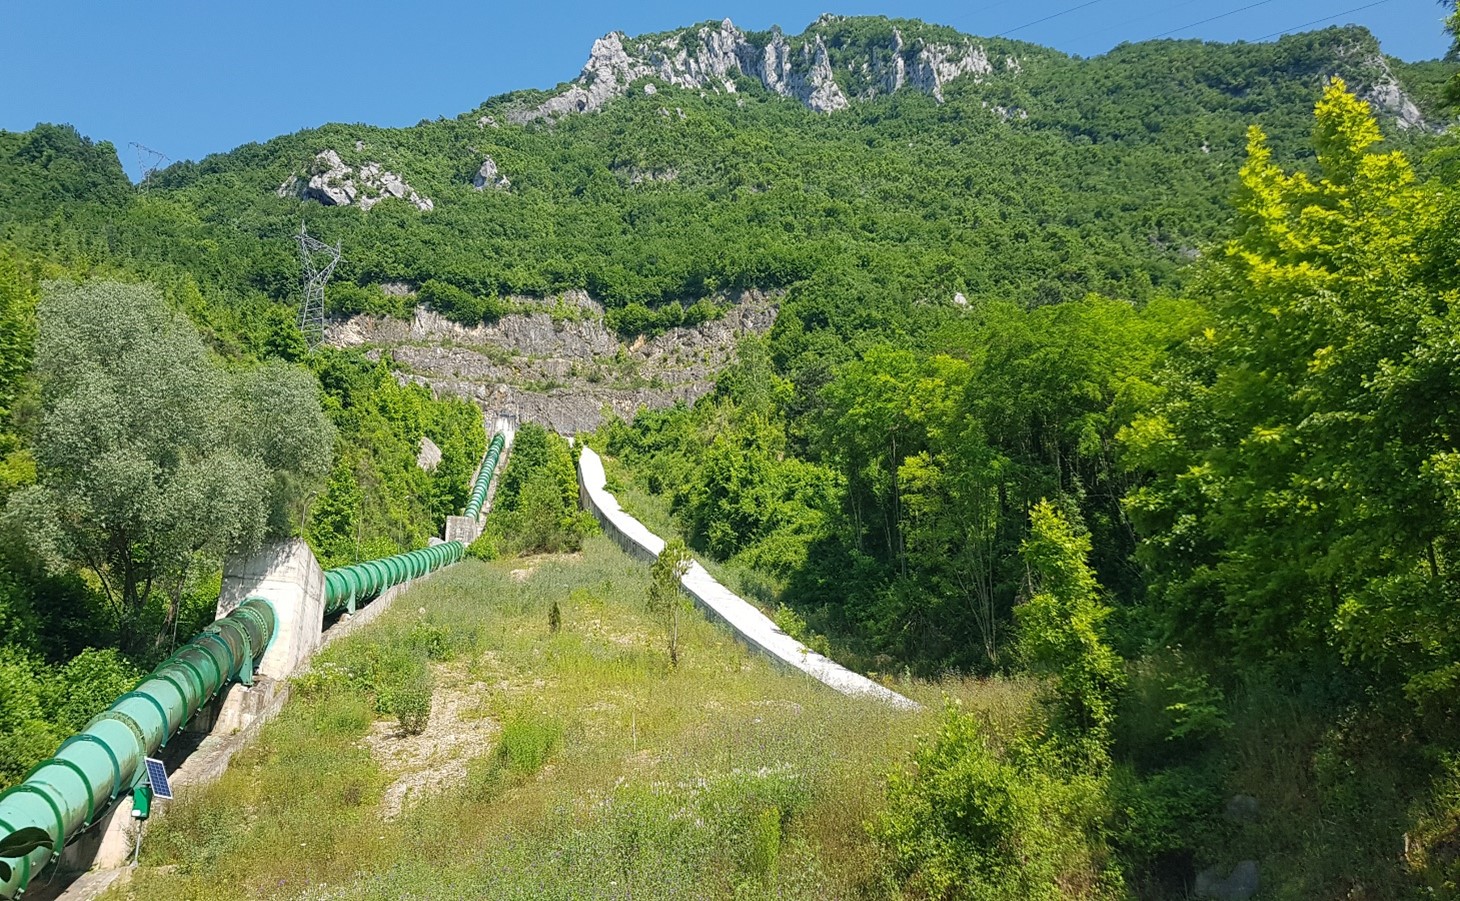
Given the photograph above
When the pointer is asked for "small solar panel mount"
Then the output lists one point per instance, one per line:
(157, 778)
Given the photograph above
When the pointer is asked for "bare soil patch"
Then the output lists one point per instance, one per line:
(436, 759)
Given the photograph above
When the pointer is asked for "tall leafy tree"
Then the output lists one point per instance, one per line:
(154, 462)
(1307, 500)
(1061, 634)
(17, 328)
(1452, 25)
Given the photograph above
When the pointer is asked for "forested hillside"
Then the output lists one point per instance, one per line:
(1133, 376)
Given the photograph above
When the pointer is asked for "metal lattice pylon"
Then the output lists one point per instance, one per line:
(149, 161)
(312, 252)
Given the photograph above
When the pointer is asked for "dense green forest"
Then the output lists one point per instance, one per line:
(1249, 498)
(1184, 451)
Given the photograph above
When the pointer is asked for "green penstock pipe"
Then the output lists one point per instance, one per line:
(347, 587)
(484, 478)
(65, 793)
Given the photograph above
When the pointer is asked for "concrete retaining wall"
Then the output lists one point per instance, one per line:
(751, 626)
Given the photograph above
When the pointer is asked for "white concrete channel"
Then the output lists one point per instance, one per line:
(751, 626)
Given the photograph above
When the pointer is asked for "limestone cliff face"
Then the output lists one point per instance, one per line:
(555, 362)
(1376, 84)
(839, 60)
(708, 58)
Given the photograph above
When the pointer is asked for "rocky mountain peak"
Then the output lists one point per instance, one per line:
(817, 68)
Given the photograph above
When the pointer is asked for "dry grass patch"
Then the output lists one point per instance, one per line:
(567, 764)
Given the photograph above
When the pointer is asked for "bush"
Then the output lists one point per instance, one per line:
(966, 821)
(410, 700)
(791, 622)
(432, 641)
(485, 547)
(528, 740)
(89, 683)
(536, 507)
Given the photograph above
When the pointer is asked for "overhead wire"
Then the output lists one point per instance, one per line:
(1142, 18)
(1063, 12)
(1212, 19)
(989, 6)
(1324, 19)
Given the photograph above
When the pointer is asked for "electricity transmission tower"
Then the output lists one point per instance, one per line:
(319, 261)
(148, 161)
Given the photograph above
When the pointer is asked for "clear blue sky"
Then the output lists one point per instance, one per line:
(191, 78)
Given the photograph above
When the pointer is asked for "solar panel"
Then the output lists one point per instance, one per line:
(157, 778)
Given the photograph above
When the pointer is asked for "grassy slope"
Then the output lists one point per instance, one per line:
(723, 778)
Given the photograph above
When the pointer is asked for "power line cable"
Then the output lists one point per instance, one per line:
(989, 6)
(1062, 12)
(1135, 19)
(1324, 19)
(1212, 19)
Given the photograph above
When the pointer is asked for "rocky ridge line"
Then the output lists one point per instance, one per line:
(709, 58)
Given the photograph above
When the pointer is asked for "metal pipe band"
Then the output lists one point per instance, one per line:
(346, 586)
(67, 792)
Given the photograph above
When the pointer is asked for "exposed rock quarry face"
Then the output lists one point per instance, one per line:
(488, 176)
(563, 368)
(709, 58)
(333, 183)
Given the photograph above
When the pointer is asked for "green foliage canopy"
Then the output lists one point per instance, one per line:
(152, 458)
(1304, 451)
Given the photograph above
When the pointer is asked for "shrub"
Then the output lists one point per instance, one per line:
(791, 622)
(431, 640)
(410, 701)
(485, 547)
(665, 597)
(89, 683)
(965, 821)
(528, 740)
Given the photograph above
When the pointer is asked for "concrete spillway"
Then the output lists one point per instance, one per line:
(749, 624)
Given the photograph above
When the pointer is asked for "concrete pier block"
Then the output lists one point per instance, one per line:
(288, 576)
(463, 529)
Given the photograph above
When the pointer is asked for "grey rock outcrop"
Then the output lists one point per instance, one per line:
(818, 88)
(1389, 99)
(1367, 73)
(938, 64)
(331, 182)
(710, 57)
(489, 176)
(636, 176)
(429, 456)
(556, 362)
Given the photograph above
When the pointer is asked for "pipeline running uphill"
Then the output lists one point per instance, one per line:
(66, 793)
